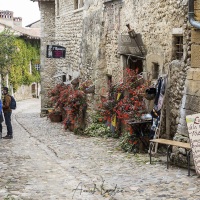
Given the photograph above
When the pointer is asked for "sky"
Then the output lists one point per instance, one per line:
(27, 9)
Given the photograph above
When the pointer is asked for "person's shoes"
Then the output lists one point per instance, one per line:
(8, 137)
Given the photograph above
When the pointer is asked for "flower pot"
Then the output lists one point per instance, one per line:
(71, 127)
(55, 117)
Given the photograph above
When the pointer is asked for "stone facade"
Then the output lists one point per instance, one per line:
(90, 35)
(15, 23)
(48, 68)
(191, 95)
(26, 92)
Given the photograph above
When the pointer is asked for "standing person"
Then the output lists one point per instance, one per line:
(1, 119)
(7, 113)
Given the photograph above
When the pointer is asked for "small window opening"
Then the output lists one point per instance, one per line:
(155, 71)
(70, 78)
(178, 45)
(58, 8)
(78, 4)
(64, 79)
(109, 81)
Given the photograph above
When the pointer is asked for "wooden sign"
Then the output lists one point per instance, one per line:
(55, 51)
(193, 124)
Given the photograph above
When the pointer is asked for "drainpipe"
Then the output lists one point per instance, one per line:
(192, 21)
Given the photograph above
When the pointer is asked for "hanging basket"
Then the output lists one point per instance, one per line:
(89, 90)
(75, 81)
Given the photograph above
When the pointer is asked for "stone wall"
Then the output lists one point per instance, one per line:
(69, 34)
(47, 38)
(191, 98)
(25, 92)
(155, 21)
(93, 48)
(90, 35)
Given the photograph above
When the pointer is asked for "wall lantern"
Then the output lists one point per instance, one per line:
(131, 32)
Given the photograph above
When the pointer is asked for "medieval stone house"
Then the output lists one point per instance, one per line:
(90, 32)
(7, 20)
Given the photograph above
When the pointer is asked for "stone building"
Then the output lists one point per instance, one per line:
(90, 32)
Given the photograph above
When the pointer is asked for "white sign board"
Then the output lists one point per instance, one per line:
(193, 124)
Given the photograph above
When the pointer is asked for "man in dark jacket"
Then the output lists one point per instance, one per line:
(7, 113)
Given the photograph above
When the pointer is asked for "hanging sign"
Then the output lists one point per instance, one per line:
(55, 51)
(128, 45)
(193, 124)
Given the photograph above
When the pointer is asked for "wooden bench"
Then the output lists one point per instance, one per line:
(170, 143)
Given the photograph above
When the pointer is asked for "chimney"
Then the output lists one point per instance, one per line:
(6, 17)
(17, 21)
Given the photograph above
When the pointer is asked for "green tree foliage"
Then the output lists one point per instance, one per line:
(7, 49)
(25, 55)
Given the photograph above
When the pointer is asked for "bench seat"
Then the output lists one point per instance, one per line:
(170, 143)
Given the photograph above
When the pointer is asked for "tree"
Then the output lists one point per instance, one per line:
(16, 55)
(7, 50)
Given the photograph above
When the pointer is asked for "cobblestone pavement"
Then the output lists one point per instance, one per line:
(44, 162)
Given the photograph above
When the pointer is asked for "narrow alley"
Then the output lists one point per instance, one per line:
(45, 162)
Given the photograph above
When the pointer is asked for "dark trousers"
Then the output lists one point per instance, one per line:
(0, 127)
(7, 117)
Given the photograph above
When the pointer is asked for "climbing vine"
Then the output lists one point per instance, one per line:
(19, 73)
(16, 55)
(7, 49)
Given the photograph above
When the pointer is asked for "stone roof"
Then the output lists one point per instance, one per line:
(30, 32)
(33, 33)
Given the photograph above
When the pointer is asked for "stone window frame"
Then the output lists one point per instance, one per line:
(64, 78)
(177, 43)
(78, 4)
(178, 47)
(151, 60)
(155, 70)
(58, 8)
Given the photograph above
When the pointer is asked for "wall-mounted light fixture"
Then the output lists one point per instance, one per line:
(131, 32)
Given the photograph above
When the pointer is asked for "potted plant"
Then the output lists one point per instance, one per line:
(55, 116)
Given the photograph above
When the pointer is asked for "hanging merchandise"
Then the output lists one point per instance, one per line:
(158, 103)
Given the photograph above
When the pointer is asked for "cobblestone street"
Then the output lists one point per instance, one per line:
(44, 162)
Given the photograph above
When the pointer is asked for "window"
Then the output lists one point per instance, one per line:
(70, 78)
(155, 71)
(78, 4)
(109, 81)
(178, 47)
(134, 63)
(58, 7)
(64, 79)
